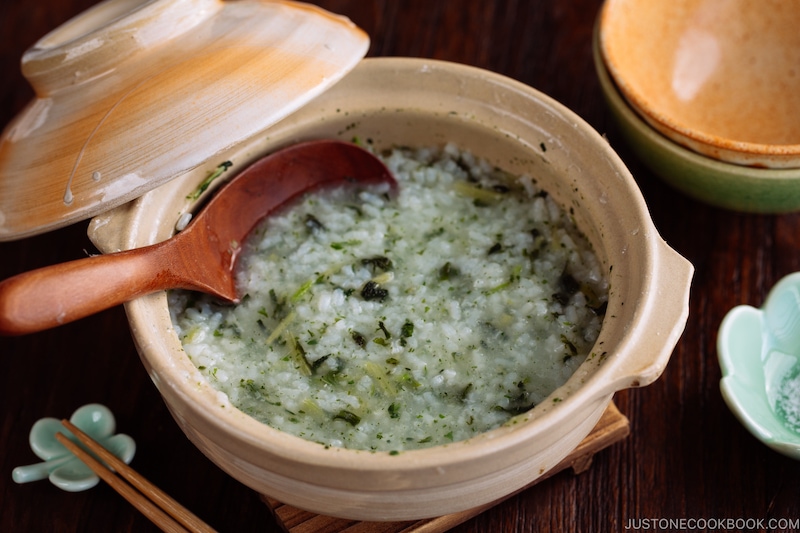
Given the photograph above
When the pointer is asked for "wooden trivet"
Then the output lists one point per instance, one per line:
(612, 427)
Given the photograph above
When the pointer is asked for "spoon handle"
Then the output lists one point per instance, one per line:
(58, 294)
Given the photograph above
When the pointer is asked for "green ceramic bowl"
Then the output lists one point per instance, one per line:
(727, 185)
(759, 354)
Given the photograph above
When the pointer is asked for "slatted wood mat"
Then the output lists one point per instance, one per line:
(612, 427)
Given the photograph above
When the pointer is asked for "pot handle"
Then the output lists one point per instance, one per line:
(657, 326)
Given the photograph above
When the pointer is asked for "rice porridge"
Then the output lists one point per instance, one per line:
(379, 323)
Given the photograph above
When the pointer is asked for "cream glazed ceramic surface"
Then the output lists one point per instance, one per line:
(384, 102)
(721, 77)
(134, 92)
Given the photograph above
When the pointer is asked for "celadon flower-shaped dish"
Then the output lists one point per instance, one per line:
(59, 465)
(759, 353)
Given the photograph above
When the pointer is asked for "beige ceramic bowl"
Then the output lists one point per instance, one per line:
(721, 77)
(418, 102)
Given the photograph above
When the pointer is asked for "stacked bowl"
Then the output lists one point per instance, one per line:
(707, 94)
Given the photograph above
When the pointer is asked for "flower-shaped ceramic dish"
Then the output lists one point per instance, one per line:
(134, 92)
(396, 101)
(59, 465)
(759, 353)
(717, 76)
(727, 185)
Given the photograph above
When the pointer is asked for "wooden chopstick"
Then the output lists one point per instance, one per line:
(151, 501)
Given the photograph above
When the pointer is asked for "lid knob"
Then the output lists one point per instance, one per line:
(95, 42)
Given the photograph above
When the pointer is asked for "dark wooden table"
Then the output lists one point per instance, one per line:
(686, 458)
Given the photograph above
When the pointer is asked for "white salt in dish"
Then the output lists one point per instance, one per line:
(787, 402)
(381, 323)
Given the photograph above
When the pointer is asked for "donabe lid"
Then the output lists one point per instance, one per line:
(131, 94)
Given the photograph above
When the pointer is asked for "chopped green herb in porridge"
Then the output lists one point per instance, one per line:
(380, 323)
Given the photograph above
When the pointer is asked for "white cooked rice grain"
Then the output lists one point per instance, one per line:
(488, 307)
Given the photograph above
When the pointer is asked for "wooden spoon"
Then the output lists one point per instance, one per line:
(202, 257)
